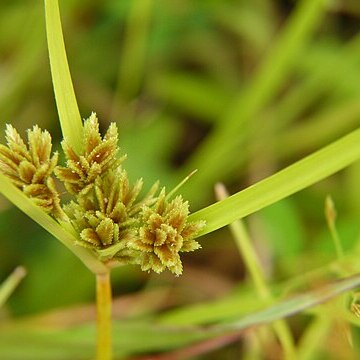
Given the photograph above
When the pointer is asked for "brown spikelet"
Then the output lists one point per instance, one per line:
(98, 156)
(164, 233)
(105, 216)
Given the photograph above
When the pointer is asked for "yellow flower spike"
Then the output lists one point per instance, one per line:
(165, 232)
(107, 215)
(30, 167)
(98, 156)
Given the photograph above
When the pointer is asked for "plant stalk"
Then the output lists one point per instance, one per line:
(254, 268)
(103, 308)
(10, 284)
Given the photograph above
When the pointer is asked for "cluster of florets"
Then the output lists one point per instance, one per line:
(109, 215)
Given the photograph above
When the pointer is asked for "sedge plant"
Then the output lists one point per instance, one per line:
(104, 220)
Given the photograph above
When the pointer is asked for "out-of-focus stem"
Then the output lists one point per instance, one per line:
(10, 284)
(253, 266)
(330, 214)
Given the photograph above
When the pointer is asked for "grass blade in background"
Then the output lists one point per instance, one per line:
(255, 270)
(133, 54)
(26, 64)
(10, 284)
(40, 343)
(69, 115)
(221, 144)
(297, 304)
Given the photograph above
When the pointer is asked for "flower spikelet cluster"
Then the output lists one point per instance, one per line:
(98, 156)
(164, 233)
(111, 217)
(30, 167)
(114, 221)
(107, 218)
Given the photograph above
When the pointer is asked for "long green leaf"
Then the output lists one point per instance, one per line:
(253, 267)
(69, 114)
(298, 176)
(14, 195)
(222, 143)
(245, 307)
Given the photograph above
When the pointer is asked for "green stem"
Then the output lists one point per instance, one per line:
(10, 284)
(252, 264)
(315, 334)
(330, 214)
(70, 119)
(103, 307)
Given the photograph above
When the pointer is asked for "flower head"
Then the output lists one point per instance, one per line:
(106, 218)
(30, 166)
(98, 156)
(108, 215)
(164, 233)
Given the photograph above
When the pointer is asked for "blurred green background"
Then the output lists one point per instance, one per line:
(236, 89)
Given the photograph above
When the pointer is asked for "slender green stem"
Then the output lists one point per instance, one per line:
(178, 186)
(330, 214)
(252, 264)
(10, 284)
(246, 249)
(311, 342)
(70, 119)
(104, 326)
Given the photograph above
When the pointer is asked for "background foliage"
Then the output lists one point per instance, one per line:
(236, 89)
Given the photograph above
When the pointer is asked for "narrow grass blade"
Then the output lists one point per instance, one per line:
(244, 301)
(330, 215)
(239, 118)
(10, 284)
(296, 304)
(78, 342)
(296, 177)
(178, 186)
(246, 249)
(68, 110)
(133, 55)
(314, 337)
(253, 267)
(25, 65)
(49, 224)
